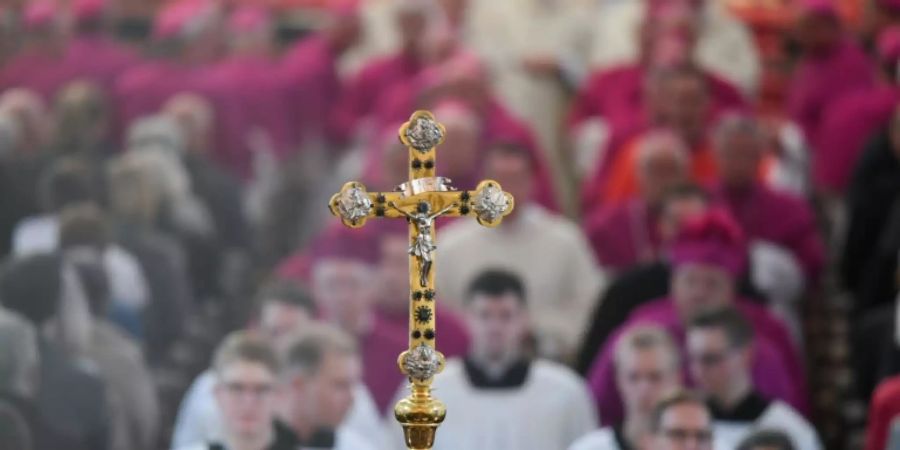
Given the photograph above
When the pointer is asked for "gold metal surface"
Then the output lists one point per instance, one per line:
(420, 414)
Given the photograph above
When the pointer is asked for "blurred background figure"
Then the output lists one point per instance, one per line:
(499, 386)
(163, 164)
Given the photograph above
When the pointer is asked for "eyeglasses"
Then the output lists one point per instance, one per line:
(681, 435)
(240, 389)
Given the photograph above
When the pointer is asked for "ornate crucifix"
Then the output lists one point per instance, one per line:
(421, 200)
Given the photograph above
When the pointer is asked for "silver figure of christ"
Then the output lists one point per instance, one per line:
(423, 245)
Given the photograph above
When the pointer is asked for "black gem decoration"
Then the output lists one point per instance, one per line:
(429, 294)
(429, 334)
(379, 211)
(465, 196)
(423, 207)
(416, 164)
(380, 198)
(463, 209)
(429, 164)
(416, 334)
(423, 314)
(417, 295)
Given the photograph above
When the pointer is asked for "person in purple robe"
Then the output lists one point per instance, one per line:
(378, 76)
(257, 93)
(851, 120)
(831, 66)
(708, 256)
(631, 98)
(91, 53)
(39, 64)
(311, 69)
(627, 234)
(343, 274)
(763, 212)
(392, 306)
(462, 78)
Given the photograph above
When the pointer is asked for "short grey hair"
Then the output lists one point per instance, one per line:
(18, 354)
(738, 123)
(308, 348)
(647, 337)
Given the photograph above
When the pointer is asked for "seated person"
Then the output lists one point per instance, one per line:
(648, 369)
(720, 353)
(246, 369)
(499, 395)
(708, 256)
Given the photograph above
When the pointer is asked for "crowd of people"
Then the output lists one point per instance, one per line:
(691, 179)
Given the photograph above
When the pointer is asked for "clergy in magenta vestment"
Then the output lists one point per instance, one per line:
(627, 234)
(764, 214)
(311, 69)
(712, 242)
(91, 53)
(343, 273)
(851, 120)
(39, 64)
(832, 65)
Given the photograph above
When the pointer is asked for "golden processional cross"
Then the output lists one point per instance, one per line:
(421, 200)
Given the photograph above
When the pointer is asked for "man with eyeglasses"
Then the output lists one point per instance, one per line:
(246, 370)
(719, 347)
(682, 422)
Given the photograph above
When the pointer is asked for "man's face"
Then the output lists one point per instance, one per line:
(461, 146)
(393, 273)
(513, 171)
(714, 363)
(644, 376)
(246, 397)
(677, 212)
(699, 288)
(660, 172)
(327, 395)
(682, 105)
(277, 320)
(737, 158)
(498, 325)
(686, 426)
(342, 290)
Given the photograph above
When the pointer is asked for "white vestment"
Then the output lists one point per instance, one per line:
(779, 417)
(550, 254)
(199, 420)
(343, 440)
(549, 410)
(605, 439)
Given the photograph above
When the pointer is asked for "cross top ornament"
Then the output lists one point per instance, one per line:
(421, 200)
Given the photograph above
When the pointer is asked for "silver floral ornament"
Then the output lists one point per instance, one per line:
(354, 204)
(422, 362)
(491, 203)
(423, 133)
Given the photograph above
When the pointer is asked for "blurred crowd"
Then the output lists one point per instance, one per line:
(695, 181)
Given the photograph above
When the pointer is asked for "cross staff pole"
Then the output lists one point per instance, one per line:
(421, 200)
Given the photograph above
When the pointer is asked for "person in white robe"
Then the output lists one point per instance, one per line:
(549, 252)
(322, 369)
(648, 368)
(283, 309)
(246, 392)
(720, 347)
(498, 397)
(725, 46)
